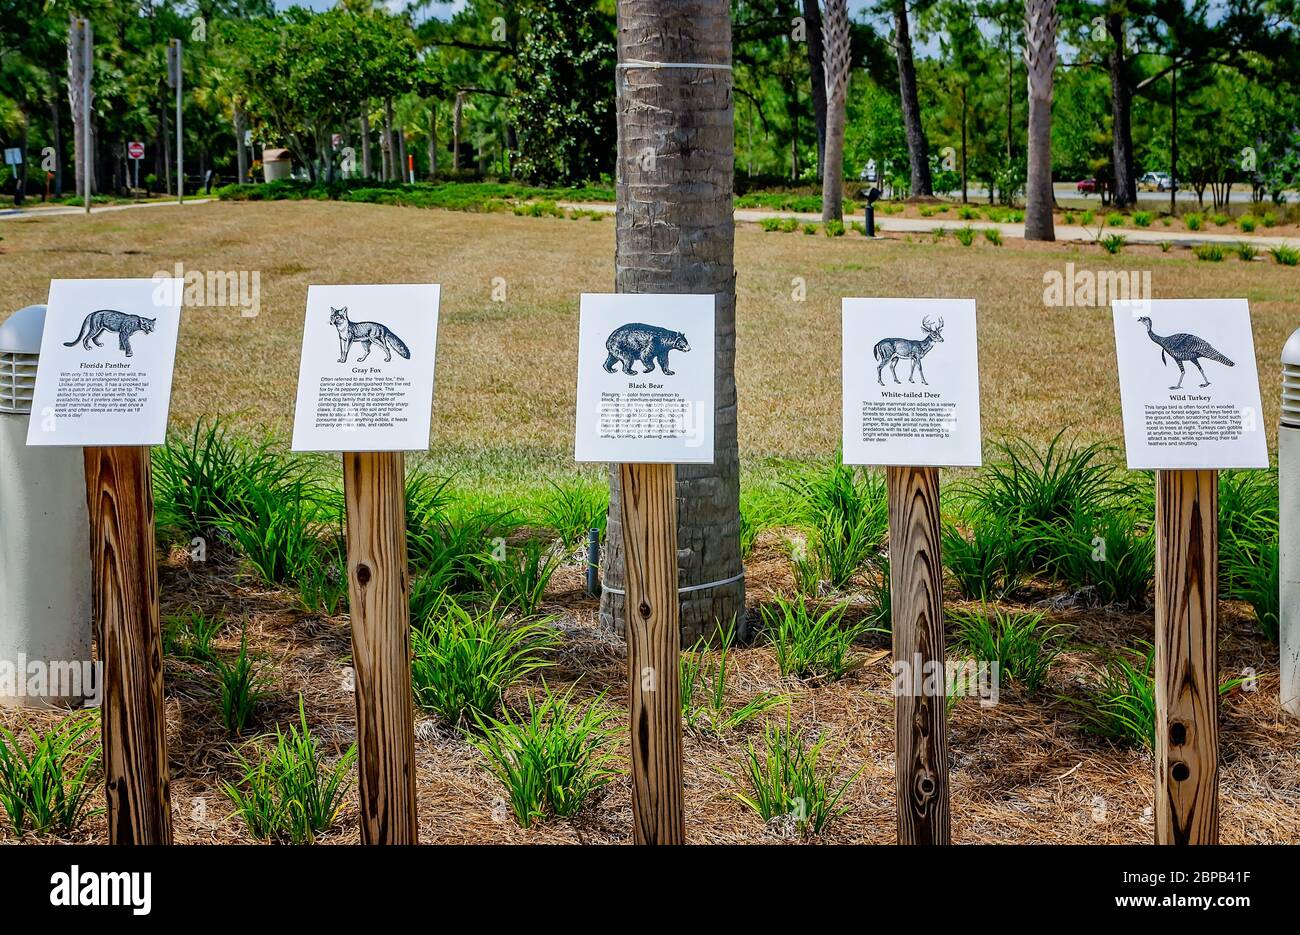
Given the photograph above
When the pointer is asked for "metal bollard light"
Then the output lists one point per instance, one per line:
(45, 607)
(1288, 458)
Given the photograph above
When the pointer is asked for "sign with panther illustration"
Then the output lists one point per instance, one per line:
(911, 382)
(107, 355)
(645, 379)
(365, 382)
(1188, 384)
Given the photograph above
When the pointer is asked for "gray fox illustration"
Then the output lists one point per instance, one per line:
(891, 350)
(646, 343)
(365, 332)
(108, 319)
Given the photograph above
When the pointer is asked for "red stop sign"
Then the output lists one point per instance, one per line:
(135, 150)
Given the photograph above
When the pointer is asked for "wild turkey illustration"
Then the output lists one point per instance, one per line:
(1182, 347)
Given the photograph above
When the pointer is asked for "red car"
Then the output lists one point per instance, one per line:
(1086, 186)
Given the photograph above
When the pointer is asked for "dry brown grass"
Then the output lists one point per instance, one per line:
(506, 371)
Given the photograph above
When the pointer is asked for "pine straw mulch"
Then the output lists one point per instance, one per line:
(1022, 770)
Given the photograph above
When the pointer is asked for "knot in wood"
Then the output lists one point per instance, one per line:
(363, 573)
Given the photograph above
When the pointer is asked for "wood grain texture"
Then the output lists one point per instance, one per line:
(1187, 672)
(649, 514)
(374, 488)
(920, 715)
(124, 585)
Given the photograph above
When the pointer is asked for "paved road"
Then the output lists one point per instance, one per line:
(10, 214)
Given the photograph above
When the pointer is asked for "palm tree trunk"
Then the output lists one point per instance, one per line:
(812, 17)
(918, 147)
(674, 233)
(1121, 110)
(837, 59)
(1041, 21)
(76, 88)
(367, 170)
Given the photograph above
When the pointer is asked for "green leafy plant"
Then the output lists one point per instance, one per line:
(965, 235)
(291, 793)
(1023, 647)
(1114, 219)
(812, 646)
(449, 547)
(967, 213)
(464, 660)
(1088, 217)
(1113, 243)
(834, 228)
(1245, 251)
(792, 779)
(1209, 252)
(1123, 706)
(553, 758)
(703, 680)
(1142, 218)
(1247, 223)
(1249, 562)
(789, 225)
(1068, 217)
(1269, 219)
(1106, 551)
(938, 234)
(575, 509)
(519, 579)
(1193, 221)
(990, 562)
(1284, 255)
(1221, 219)
(810, 228)
(993, 236)
(48, 786)
(241, 686)
(770, 224)
(1166, 246)
(190, 635)
(278, 528)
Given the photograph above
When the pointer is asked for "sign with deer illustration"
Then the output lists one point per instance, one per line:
(365, 382)
(645, 379)
(107, 355)
(911, 382)
(1188, 384)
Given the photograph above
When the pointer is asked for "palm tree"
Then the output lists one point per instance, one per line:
(1041, 21)
(918, 147)
(675, 234)
(836, 48)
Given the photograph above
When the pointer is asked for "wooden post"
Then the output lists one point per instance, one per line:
(920, 714)
(1186, 678)
(124, 582)
(374, 488)
(649, 512)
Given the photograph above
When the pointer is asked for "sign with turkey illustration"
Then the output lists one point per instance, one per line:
(365, 382)
(1188, 384)
(107, 355)
(645, 379)
(911, 382)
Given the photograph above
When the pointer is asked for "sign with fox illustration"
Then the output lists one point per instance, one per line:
(645, 379)
(927, 414)
(365, 382)
(1188, 384)
(107, 355)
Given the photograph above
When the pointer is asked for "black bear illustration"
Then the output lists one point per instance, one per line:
(646, 343)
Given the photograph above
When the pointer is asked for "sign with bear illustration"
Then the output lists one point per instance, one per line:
(1188, 384)
(911, 382)
(645, 379)
(365, 382)
(107, 355)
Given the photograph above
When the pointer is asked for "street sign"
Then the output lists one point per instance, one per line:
(135, 149)
(13, 157)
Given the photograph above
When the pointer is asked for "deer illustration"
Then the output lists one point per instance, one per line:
(1183, 347)
(891, 350)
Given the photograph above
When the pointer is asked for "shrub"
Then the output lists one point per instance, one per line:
(1246, 251)
(858, 226)
(190, 635)
(993, 236)
(792, 779)
(1123, 706)
(965, 235)
(1113, 243)
(967, 213)
(520, 578)
(810, 228)
(1210, 252)
(1284, 255)
(50, 787)
(463, 661)
(291, 794)
(575, 509)
(241, 687)
(834, 228)
(277, 528)
(1193, 221)
(1114, 219)
(992, 562)
(1250, 564)
(789, 225)
(1088, 217)
(1143, 218)
(1105, 551)
(704, 689)
(938, 234)
(553, 758)
(1068, 217)
(770, 224)
(811, 646)
(1269, 219)
(447, 547)
(1247, 223)
(1166, 246)
(1221, 219)
(1021, 645)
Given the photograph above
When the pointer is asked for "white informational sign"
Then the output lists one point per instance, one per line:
(911, 382)
(1188, 384)
(107, 355)
(13, 156)
(645, 379)
(366, 378)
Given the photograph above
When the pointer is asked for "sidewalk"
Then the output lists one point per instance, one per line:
(8, 214)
